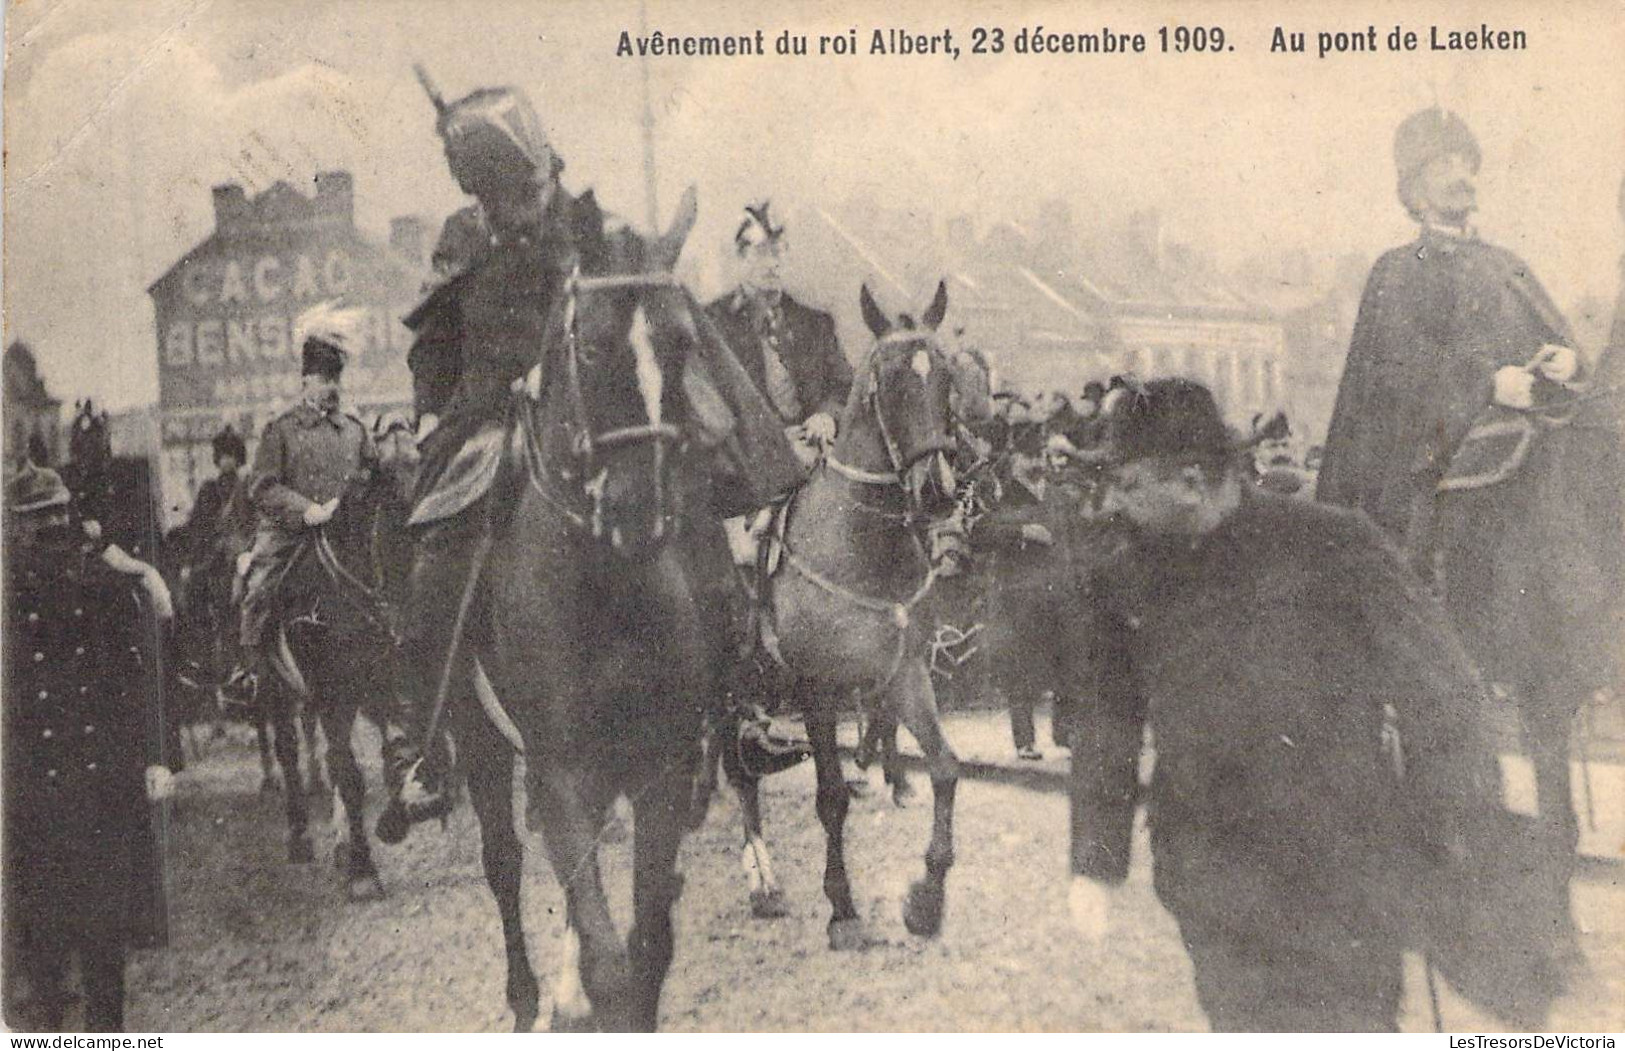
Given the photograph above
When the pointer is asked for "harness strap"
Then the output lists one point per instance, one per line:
(371, 604)
(858, 474)
(900, 613)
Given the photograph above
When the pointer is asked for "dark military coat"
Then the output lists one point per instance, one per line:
(1438, 318)
(305, 457)
(82, 723)
(483, 326)
(804, 340)
(1322, 779)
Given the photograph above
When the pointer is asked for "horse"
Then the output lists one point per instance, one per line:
(591, 651)
(331, 649)
(846, 610)
(1534, 568)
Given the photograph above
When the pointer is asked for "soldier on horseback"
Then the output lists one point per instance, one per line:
(1451, 431)
(790, 350)
(305, 458)
(501, 263)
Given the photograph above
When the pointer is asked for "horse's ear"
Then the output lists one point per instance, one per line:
(872, 316)
(670, 245)
(939, 307)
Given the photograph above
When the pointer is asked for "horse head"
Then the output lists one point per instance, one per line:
(628, 328)
(902, 399)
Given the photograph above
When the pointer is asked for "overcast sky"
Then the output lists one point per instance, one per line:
(120, 116)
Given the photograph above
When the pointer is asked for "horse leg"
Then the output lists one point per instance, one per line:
(1547, 719)
(360, 874)
(490, 791)
(571, 814)
(891, 767)
(318, 785)
(922, 908)
(285, 735)
(845, 927)
(657, 824)
(766, 896)
(269, 783)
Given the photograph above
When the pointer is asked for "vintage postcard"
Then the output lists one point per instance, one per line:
(823, 515)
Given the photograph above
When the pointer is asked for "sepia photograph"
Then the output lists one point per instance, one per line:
(1032, 516)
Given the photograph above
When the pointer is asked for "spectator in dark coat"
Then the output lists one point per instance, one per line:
(1323, 795)
(83, 742)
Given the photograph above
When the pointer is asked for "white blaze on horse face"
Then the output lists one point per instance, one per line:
(651, 384)
(921, 364)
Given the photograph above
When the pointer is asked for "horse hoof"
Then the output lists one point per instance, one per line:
(849, 936)
(902, 794)
(270, 787)
(341, 855)
(525, 1023)
(365, 888)
(300, 852)
(769, 904)
(922, 909)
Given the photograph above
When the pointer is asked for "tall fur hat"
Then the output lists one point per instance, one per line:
(1431, 133)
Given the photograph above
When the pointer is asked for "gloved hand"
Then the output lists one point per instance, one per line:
(820, 427)
(319, 514)
(1558, 364)
(160, 783)
(1514, 387)
(1037, 533)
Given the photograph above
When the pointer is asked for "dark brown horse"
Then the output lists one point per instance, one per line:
(332, 651)
(592, 636)
(1534, 570)
(847, 608)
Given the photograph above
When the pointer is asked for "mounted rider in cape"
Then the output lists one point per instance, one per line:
(502, 264)
(1456, 430)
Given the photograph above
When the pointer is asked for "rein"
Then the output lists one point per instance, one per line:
(900, 613)
(585, 444)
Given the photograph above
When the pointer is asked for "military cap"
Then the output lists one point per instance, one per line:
(35, 488)
(1432, 133)
(328, 335)
(502, 115)
(756, 227)
(1168, 417)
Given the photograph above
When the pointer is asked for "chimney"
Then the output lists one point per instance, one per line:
(230, 207)
(335, 196)
(407, 237)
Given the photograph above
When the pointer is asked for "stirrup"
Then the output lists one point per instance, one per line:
(413, 803)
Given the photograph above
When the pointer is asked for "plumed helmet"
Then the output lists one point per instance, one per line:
(1431, 133)
(228, 441)
(35, 488)
(1168, 417)
(756, 226)
(327, 335)
(495, 118)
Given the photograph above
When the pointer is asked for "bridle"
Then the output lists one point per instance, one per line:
(586, 447)
(898, 475)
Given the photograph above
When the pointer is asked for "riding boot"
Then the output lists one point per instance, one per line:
(416, 772)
